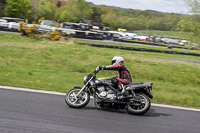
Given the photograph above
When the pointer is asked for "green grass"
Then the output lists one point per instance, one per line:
(59, 66)
(171, 34)
(159, 44)
(125, 45)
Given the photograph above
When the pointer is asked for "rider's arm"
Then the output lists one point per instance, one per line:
(113, 67)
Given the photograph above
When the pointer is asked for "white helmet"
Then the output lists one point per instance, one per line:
(117, 60)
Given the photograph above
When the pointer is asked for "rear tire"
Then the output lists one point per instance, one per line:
(139, 108)
(74, 102)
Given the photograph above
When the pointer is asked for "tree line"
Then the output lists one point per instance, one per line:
(112, 17)
(190, 26)
(74, 10)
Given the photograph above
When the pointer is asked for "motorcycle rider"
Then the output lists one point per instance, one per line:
(123, 74)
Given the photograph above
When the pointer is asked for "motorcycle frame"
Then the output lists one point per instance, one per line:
(144, 88)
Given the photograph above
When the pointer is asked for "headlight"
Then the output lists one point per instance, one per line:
(85, 79)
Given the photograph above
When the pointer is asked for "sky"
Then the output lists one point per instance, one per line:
(170, 6)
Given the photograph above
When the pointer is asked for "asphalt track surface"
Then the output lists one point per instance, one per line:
(131, 44)
(181, 59)
(30, 112)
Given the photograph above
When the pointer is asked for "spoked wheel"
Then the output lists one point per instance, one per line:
(97, 103)
(140, 105)
(74, 101)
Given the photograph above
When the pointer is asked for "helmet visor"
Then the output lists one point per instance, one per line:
(113, 61)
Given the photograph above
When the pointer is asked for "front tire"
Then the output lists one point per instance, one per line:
(139, 108)
(77, 102)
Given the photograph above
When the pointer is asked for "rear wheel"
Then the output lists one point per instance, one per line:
(73, 101)
(139, 106)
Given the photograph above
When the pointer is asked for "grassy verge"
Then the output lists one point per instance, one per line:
(61, 65)
(126, 45)
(171, 34)
(159, 44)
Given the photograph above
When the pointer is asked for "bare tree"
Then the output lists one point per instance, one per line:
(194, 6)
(2, 6)
(34, 4)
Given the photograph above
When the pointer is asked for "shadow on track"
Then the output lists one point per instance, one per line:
(105, 109)
(89, 108)
(152, 113)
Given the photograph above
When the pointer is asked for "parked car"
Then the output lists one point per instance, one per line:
(13, 26)
(3, 24)
(170, 41)
(140, 37)
(183, 42)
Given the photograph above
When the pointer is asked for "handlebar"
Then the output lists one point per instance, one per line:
(97, 70)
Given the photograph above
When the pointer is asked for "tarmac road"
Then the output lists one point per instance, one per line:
(181, 59)
(132, 44)
(30, 112)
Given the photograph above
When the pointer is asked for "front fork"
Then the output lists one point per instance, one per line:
(82, 89)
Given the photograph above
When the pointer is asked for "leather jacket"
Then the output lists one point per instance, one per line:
(123, 74)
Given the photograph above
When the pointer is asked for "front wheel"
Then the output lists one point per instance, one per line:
(73, 101)
(139, 106)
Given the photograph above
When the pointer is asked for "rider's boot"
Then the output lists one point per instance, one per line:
(122, 90)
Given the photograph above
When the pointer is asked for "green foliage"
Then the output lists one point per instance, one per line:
(97, 12)
(75, 10)
(110, 16)
(137, 20)
(194, 6)
(59, 11)
(18, 9)
(170, 34)
(2, 6)
(46, 9)
(189, 28)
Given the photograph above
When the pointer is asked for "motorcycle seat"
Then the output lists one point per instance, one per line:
(136, 83)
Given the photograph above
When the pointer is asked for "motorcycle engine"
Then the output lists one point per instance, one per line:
(106, 93)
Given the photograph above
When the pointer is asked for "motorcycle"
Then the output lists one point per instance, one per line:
(134, 97)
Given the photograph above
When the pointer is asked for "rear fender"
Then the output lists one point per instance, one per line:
(146, 91)
(144, 88)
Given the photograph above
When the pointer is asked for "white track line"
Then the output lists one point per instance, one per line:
(58, 93)
(31, 90)
(175, 107)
